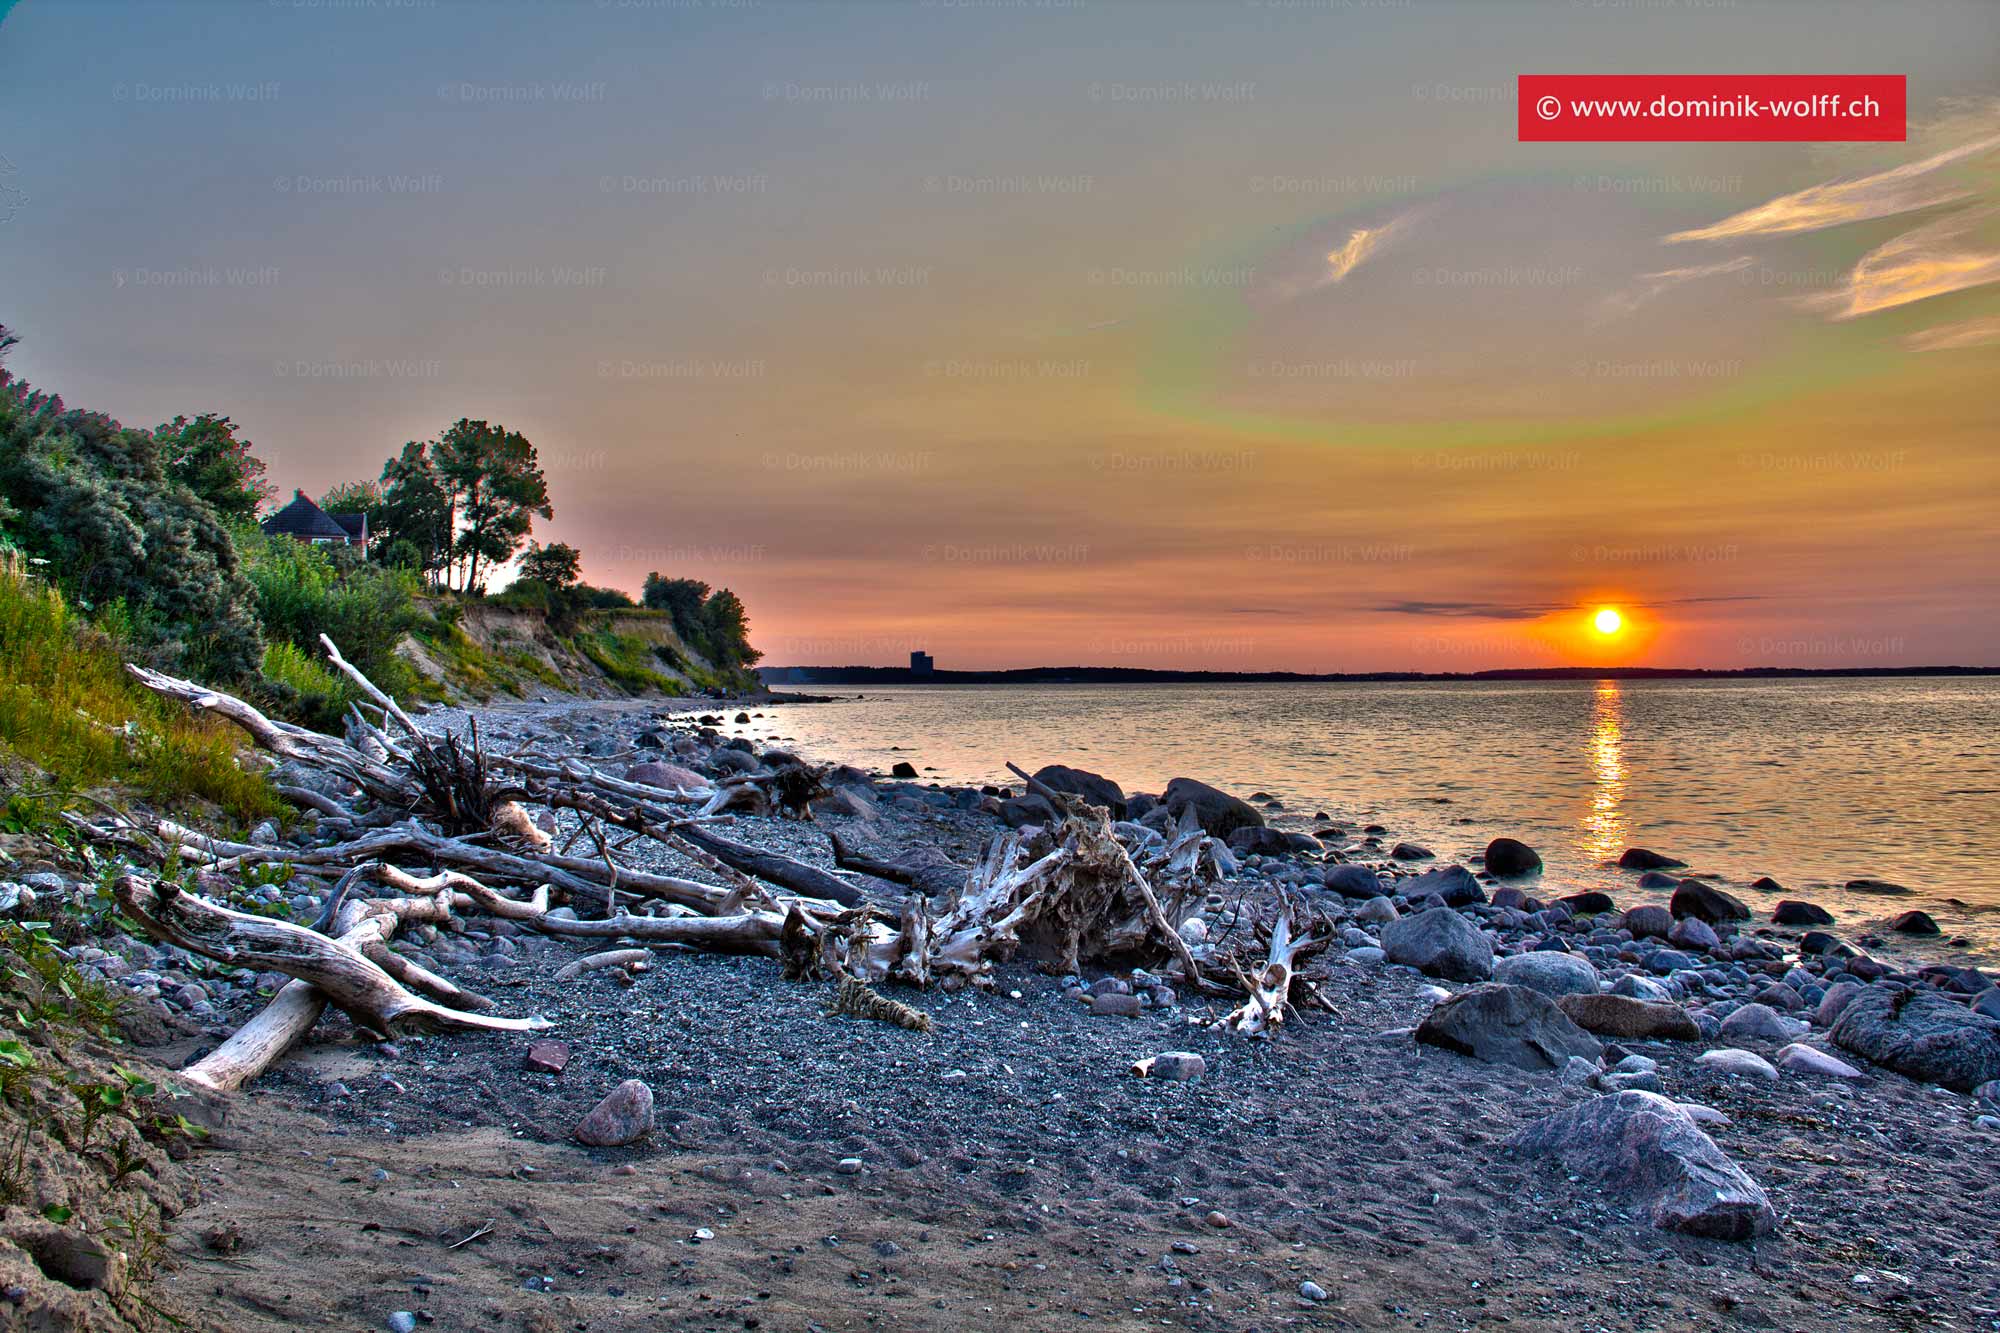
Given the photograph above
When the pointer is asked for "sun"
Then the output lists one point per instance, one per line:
(1608, 621)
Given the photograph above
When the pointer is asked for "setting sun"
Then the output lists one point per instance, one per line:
(1608, 621)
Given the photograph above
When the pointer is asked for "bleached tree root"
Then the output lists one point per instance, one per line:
(339, 969)
(1272, 989)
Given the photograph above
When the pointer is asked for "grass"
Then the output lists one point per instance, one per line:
(628, 659)
(67, 706)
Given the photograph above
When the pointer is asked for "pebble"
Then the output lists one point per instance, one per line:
(1312, 1291)
(402, 1322)
(848, 1166)
(1217, 1218)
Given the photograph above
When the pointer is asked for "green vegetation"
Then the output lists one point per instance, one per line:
(628, 659)
(714, 624)
(67, 706)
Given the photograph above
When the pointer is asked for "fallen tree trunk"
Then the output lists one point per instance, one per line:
(778, 869)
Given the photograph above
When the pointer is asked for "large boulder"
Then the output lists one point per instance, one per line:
(1550, 973)
(1218, 813)
(1090, 786)
(1589, 903)
(1018, 811)
(1440, 943)
(1710, 904)
(667, 777)
(1507, 857)
(1922, 1035)
(1353, 881)
(1454, 884)
(1269, 842)
(1644, 1146)
(1639, 858)
(1649, 922)
(1508, 1025)
(1793, 912)
(1628, 1018)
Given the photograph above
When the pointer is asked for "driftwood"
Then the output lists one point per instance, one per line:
(929, 874)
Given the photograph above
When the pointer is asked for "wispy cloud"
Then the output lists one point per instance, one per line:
(1471, 610)
(1927, 261)
(1651, 285)
(1900, 189)
(1951, 337)
(1342, 261)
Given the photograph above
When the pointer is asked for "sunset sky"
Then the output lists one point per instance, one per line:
(1220, 335)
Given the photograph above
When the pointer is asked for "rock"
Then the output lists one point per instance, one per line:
(1377, 911)
(1638, 858)
(625, 1116)
(1640, 988)
(1649, 922)
(1194, 930)
(16, 899)
(1508, 1025)
(1589, 903)
(1738, 1063)
(1879, 887)
(1642, 1145)
(1454, 884)
(1987, 1002)
(1760, 1023)
(849, 801)
(1915, 923)
(1838, 996)
(1710, 904)
(1704, 1115)
(1922, 1035)
(1367, 955)
(1658, 879)
(1269, 842)
(1988, 1092)
(1218, 813)
(1802, 1059)
(903, 769)
(1019, 811)
(667, 776)
(1115, 1006)
(1629, 1019)
(546, 1057)
(1439, 943)
(1411, 851)
(1691, 932)
(1312, 1291)
(1552, 974)
(1353, 881)
(402, 1322)
(848, 1166)
(1508, 857)
(1090, 786)
(1792, 912)
(1176, 1066)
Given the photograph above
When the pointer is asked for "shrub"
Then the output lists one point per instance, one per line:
(299, 687)
(305, 591)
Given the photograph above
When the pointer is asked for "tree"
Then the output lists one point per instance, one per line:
(206, 456)
(496, 488)
(559, 565)
(416, 515)
(683, 597)
(726, 627)
(358, 497)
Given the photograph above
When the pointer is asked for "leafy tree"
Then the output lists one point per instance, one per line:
(416, 515)
(558, 564)
(496, 488)
(682, 597)
(358, 497)
(207, 457)
(603, 599)
(726, 630)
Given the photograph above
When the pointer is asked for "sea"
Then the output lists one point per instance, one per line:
(1812, 782)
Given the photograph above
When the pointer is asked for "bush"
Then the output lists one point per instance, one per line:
(299, 687)
(305, 591)
(67, 706)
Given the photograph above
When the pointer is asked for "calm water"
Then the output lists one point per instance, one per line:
(1812, 782)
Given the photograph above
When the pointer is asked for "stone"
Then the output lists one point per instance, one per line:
(1218, 813)
(402, 1321)
(1552, 974)
(848, 1166)
(1649, 922)
(1312, 1291)
(1509, 1025)
(1915, 923)
(1691, 932)
(1589, 903)
(1439, 943)
(1987, 1002)
(1367, 955)
(1177, 1066)
(1879, 887)
(1508, 857)
(1353, 881)
(729, 760)
(1640, 988)
(850, 801)
(1020, 811)
(625, 1116)
(1799, 1058)
(1453, 884)
(1988, 1092)
(1838, 996)
(1759, 1023)
(1639, 858)
(1646, 1147)
(1269, 842)
(666, 776)
(1377, 911)
(546, 1057)
(1704, 1115)
(1694, 898)
(1738, 1063)
(1922, 1035)
(1792, 912)
(1629, 1019)
(1092, 787)
(1115, 1006)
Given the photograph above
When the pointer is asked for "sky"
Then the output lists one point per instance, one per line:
(1224, 335)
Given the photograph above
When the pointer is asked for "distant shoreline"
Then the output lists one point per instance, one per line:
(1082, 675)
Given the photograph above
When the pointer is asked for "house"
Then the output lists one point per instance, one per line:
(309, 523)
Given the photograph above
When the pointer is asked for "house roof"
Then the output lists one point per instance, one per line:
(303, 518)
(355, 525)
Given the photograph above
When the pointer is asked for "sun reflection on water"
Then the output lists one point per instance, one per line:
(1604, 826)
